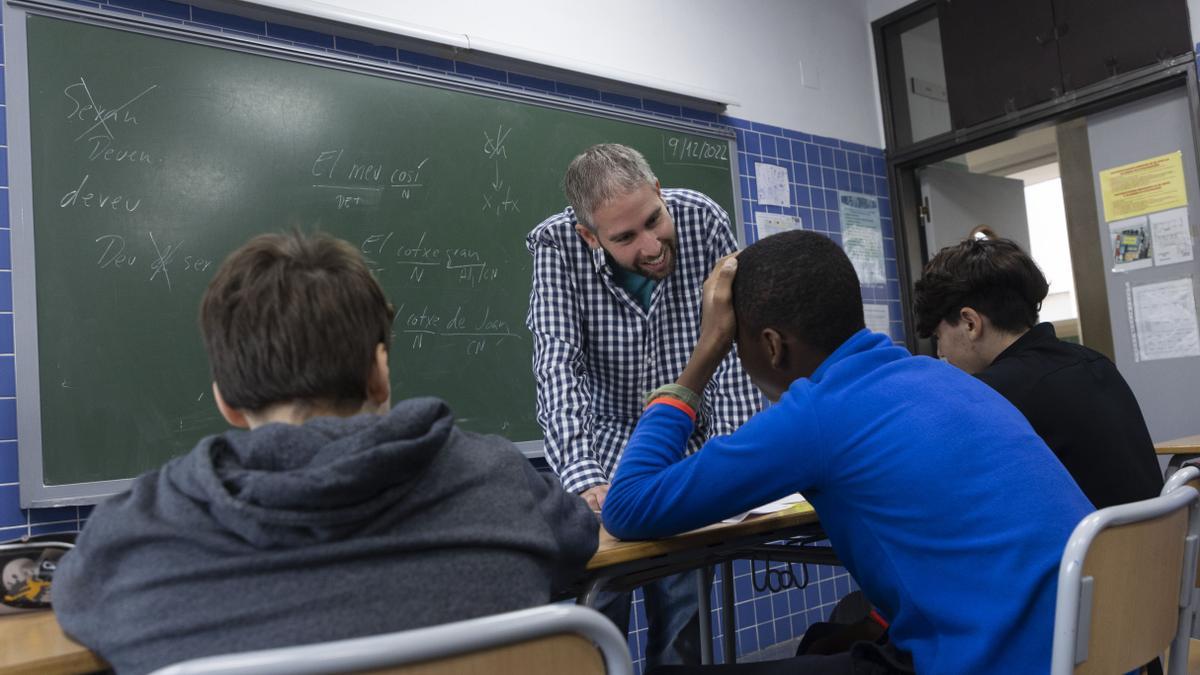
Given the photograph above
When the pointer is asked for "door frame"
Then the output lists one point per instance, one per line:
(902, 164)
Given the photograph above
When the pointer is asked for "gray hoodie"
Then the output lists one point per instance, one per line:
(338, 528)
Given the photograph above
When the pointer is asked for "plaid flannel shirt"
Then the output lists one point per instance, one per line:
(596, 352)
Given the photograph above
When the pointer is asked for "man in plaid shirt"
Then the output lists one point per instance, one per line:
(615, 313)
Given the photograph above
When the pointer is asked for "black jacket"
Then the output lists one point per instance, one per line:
(1080, 405)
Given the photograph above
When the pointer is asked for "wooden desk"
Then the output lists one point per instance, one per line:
(613, 551)
(1182, 449)
(32, 643)
(623, 565)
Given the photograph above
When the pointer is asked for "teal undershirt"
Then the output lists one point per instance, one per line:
(640, 288)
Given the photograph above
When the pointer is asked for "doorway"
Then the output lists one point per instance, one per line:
(1013, 190)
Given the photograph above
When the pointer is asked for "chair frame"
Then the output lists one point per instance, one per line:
(423, 644)
(1177, 664)
(1072, 617)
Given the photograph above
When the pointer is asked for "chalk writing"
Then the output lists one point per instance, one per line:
(366, 173)
(195, 263)
(100, 200)
(402, 178)
(493, 146)
(476, 334)
(165, 256)
(499, 200)
(362, 184)
(87, 110)
(102, 149)
(326, 162)
(695, 151)
(115, 253)
(466, 265)
(500, 204)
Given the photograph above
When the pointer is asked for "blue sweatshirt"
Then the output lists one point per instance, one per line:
(950, 512)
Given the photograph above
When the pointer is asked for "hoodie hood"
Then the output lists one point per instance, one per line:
(286, 485)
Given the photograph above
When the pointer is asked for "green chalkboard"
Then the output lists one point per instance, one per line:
(153, 157)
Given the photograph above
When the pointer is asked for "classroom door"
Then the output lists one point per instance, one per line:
(956, 202)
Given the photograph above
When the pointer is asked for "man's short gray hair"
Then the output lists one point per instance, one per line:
(600, 173)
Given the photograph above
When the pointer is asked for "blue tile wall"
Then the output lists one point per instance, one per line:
(818, 166)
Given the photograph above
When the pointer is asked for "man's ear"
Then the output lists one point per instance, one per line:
(776, 348)
(588, 236)
(234, 416)
(379, 386)
(973, 323)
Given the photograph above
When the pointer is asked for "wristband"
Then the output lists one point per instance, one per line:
(691, 398)
(675, 403)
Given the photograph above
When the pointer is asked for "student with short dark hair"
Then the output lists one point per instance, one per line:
(980, 298)
(334, 515)
(938, 497)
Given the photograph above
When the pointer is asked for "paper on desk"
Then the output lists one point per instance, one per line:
(771, 507)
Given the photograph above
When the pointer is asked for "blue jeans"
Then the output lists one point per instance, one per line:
(672, 633)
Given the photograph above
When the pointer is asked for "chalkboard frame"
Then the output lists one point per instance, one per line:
(34, 493)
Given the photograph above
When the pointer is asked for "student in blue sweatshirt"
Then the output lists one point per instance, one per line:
(950, 512)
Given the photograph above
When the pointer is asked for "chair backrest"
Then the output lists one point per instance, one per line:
(548, 639)
(1120, 585)
(1188, 475)
(1180, 648)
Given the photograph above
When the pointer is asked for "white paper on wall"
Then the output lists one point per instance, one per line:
(773, 186)
(862, 235)
(774, 223)
(878, 318)
(1172, 236)
(1164, 317)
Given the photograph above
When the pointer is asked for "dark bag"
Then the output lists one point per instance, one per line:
(26, 571)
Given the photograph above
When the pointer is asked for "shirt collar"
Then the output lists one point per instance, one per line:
(600, 260)
(1043, 332)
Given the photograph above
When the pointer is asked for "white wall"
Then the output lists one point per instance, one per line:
(800, 64)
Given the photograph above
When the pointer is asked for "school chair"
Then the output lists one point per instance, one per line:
(550, 639)
(1185, 650)
(1121, 585)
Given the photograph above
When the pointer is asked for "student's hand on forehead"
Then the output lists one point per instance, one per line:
(717, 322)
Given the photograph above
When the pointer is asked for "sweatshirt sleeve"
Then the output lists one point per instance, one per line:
(656, 492)
(572, 524)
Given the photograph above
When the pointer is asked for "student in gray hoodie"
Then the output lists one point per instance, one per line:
(330, 515)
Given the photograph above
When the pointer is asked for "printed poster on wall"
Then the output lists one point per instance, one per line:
(1172, 236)
(774, 189)
(1131, 244)
(1163, 320)
(877, 317)
(1138, 188)
(862, 235)
(774, 223)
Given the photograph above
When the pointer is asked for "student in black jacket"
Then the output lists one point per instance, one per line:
(980, 299)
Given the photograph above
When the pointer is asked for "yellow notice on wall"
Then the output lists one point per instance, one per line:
(1154, 184)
